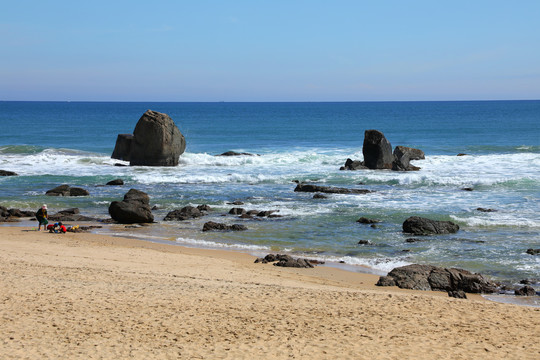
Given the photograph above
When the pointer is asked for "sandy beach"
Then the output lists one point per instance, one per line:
(80, 295)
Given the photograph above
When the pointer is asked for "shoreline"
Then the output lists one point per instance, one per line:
(88, 295)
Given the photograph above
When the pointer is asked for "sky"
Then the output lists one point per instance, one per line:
(234, 50)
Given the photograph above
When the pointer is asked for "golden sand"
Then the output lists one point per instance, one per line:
(88, 296)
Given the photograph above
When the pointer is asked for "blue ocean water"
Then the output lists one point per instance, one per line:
(53, 143)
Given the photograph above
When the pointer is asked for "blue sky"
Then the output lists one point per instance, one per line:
(269, 50)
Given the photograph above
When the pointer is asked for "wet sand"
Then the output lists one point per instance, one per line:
(80, 295)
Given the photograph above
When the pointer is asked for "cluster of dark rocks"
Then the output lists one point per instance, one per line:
(8, 173)
(378, 155)
(12, 215)
(250, 214)
(287, 261)
(187, 212)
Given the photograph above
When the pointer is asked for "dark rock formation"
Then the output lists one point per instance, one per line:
(427, 277)
(234, 153)
(237, 202)
(421, 226)
(461, 154)
(122, 149)
(7, 173)
(468, 189)
(185, 213)
(135, 208)
(364, 220)
(525, 291)
(533, 251)
(320, 196)
(377, 150)
(353, 165)
(237, 211)
(403, 155)
(156, 141)
(116, 182)
(328, 189)
(365, 242)
(72, 214)
(214, 226)
(458, 294)
(287, 261)
(204, 207)
(378, 155)
(268, 213)
(11, 215)
(485, 210)
(66, 190)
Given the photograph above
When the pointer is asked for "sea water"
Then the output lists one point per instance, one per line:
(54, 143)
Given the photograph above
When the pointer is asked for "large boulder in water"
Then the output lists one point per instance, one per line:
(135, 208)
(422, 226)
(402, 157)
(156, 141)
(377, 150)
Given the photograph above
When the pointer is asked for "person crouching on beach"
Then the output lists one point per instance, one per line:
(41, 216)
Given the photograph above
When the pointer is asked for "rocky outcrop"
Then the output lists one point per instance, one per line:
(186, 213)
(156, 141)
(72, 214)
(328, 189)
(11, 215)
(7, 173)
(122, 149)
(234, 153)
(364, 220)
(287, 261)
(66, 190)
(402, 157)
(428, 277)
(377, 150)
(533, 251)
(214, 226)
(422, 226)
(525, 291)
(116, 182)
(353, 165)
(135, 208)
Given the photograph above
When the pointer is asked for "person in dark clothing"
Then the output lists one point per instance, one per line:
(41, 216)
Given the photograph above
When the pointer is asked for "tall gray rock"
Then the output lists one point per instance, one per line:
(156, 141)
(377, 150)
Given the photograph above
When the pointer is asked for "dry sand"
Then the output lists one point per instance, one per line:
(88, 296)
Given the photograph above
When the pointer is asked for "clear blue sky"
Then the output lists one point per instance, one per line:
(276, 50)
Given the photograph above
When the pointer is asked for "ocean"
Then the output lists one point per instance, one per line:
(54, 143)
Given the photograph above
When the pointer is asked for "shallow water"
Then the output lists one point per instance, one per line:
(305, 142)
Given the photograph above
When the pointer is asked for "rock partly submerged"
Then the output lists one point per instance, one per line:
(423, 226)
(134, 208)
(66, 190)
(428, 277)
(378, 155)
(329, 189)
(156, 141)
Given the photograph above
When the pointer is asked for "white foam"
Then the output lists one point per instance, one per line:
(217, 245)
